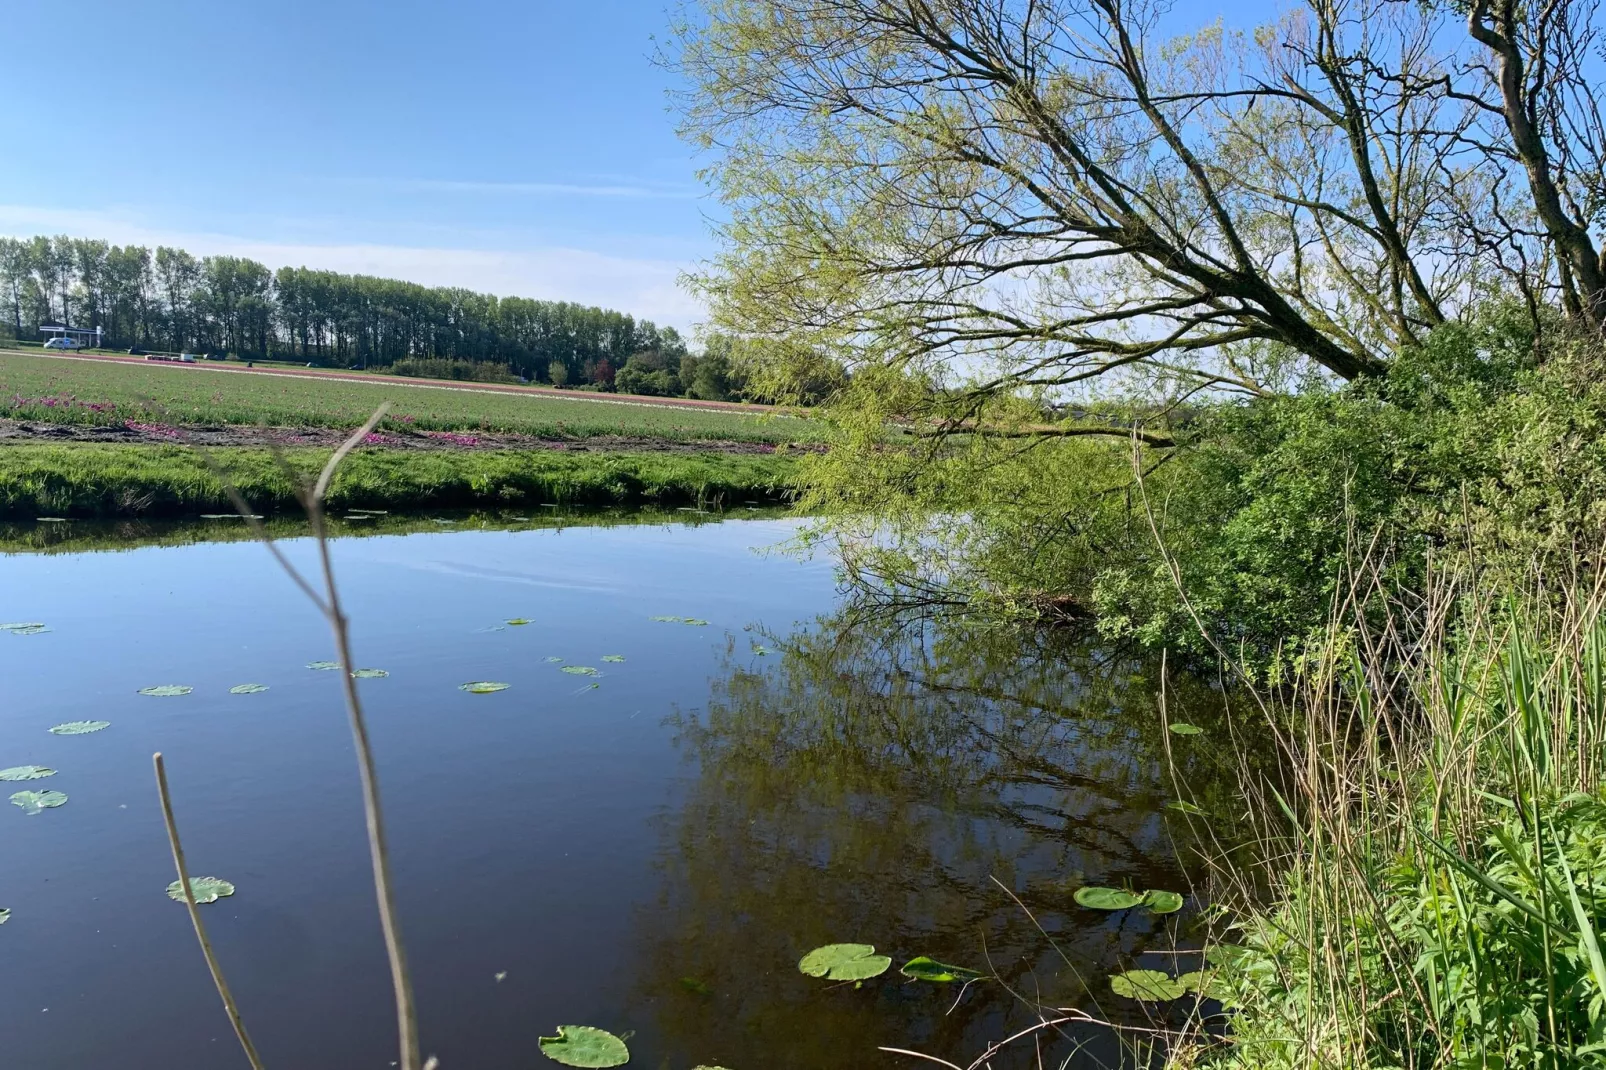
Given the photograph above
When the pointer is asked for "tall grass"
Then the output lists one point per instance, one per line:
(1432, 890)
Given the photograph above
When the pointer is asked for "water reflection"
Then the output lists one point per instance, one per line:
(867, 784)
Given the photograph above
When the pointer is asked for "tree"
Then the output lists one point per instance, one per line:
(557, 374)
(1015, 196)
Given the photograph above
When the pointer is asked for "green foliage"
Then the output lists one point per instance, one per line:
(79, 728)
(204, 889)
(34, 803)
(585, 1046)
(88, 480)
(925, 968)
(844, 962)
(1147, 985)
(1106, 898)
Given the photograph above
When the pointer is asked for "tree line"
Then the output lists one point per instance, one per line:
(169, 299)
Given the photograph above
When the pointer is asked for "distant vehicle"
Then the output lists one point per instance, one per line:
(135, 351)
(311, 364)
(217, 356)
(186, 358)
(63, 342)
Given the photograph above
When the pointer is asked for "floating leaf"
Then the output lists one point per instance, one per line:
(166, 690)
(1162, 902)
(590, 687)
(1182, 728)
(924, 968)
(1150, 985)
(1182, 806)
(680, 620)
(31, 627)
(844, 962)
(26, 772)
(79, 728)
(1106, 898)
(761, 650)
(323, 666)
(501, 975)
(51, 519)
(248, 689)
(696, 987)
(205, 889)
(552, 660)
(579, 670)
(482, 687)
(706, 1067)
(519, 621)
(584, 1046)
(369, 674)
(37, 802)
(616, 658)
(1207, 985)
(5, 915)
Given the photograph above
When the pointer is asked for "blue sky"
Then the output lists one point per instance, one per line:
(518, 147)
(515, 146)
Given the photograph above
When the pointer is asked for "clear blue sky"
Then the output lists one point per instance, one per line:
(516, 146)
(519, 147)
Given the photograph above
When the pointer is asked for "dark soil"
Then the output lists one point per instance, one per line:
(226, 435)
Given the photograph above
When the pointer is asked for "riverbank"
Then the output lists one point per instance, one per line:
(117, 480)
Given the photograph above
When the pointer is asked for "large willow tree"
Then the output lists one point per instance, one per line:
(1001, 213)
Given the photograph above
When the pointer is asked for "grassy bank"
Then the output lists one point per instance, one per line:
(66, 390)
(85, 480)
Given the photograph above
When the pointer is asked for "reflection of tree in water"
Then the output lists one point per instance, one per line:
(864, 786)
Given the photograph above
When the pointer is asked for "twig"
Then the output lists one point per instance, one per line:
(329, 604)
(195, 917)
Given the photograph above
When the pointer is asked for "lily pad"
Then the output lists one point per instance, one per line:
(166, 690)
(205, 889)
(1183, 806)
(1206, 984)
(26, 772)
(615, 658)
(483, 687)
(844, 962)
(1182, 728)
(323, 666)
(585, 1046)
(579, 670)
(1106, 898)
(5, 915)
(1149, 985)
(680, 620)
(31, 627)
(552, 660)
(37, 802)
(369, 674)
(518, 621)
(51, 519)
(924, 968)
(248, 689)
(79, 728)
(1162, 902)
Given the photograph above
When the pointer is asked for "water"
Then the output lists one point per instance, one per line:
(649, 855)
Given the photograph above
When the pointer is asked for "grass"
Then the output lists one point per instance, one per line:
(1433, 886)
(39, 387)
(93, 480)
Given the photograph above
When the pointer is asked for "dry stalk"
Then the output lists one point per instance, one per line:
(223, 992)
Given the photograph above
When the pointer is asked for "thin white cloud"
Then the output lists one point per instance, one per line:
(643, 287)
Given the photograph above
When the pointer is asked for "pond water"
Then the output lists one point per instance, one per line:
(650, 855)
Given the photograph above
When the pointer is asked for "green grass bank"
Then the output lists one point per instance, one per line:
(104, 481)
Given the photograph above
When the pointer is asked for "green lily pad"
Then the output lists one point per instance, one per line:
(31, 627)
(1149, 985)
(79, 728)
(518, 621)
(26, 772)
(1106, 898)
(323, 666)
(579, 670)
(1182, 806)
(205, 889)
(706, 1067)
(924, 968)
(37, 802)
(552, 660)
(248, 689)
(681, 620)
(584, 1046)
(166, 690)
(1205, 984)
(482, 687)
(615, 658)
(369, 674)
(1182, 728)
(844, 962)
(1162, 902)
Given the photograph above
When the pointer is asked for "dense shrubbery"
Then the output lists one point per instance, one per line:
(442, 368)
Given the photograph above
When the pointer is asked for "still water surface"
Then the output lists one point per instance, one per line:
(651, 855)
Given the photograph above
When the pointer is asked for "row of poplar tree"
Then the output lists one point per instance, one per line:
(168, 299)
